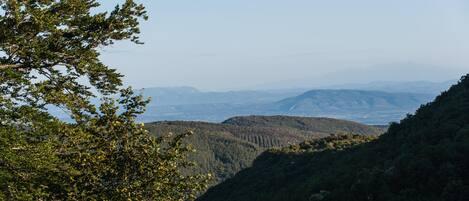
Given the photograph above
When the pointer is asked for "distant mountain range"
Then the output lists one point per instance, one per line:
(372, 107)
(228, 147)
(389, 73)
(399, 87)
(373, 103)
(163, 96)
(334, 101)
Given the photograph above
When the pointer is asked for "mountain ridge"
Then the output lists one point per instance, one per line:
(226, 148)
(424, 157)
(370, 107)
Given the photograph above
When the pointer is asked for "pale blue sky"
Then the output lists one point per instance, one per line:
(240, 44)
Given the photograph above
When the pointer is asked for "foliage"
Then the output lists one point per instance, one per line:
(424, 157)
(226, 148)
(313, 124)
(49, 57)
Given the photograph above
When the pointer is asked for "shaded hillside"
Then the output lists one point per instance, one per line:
(423, 158)
(225, 148)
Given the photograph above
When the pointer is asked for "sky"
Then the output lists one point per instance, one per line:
(257, 44)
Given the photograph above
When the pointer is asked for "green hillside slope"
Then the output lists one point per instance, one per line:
(227, 148)
(423, 158)
(327, 125)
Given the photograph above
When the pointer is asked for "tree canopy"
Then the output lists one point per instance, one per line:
(421, 158)
(49, 57)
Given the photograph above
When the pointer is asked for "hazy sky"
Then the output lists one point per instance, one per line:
(240, 44)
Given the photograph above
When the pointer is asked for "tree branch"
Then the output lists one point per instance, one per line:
(13, 66)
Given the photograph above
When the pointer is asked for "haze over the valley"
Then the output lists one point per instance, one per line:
(265, 44)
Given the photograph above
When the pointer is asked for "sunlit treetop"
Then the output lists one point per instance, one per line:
(49, 49)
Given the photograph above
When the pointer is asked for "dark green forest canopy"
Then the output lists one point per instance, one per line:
(422, 158)
(312, 124)
(225, 148)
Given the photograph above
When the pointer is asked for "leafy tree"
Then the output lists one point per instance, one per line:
(49, 57)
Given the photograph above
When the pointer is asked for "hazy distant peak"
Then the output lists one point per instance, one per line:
(426, 87)
(181, 89)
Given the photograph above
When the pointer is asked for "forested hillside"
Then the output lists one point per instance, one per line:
(422, 158)
(226, 148)
(315, 124)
